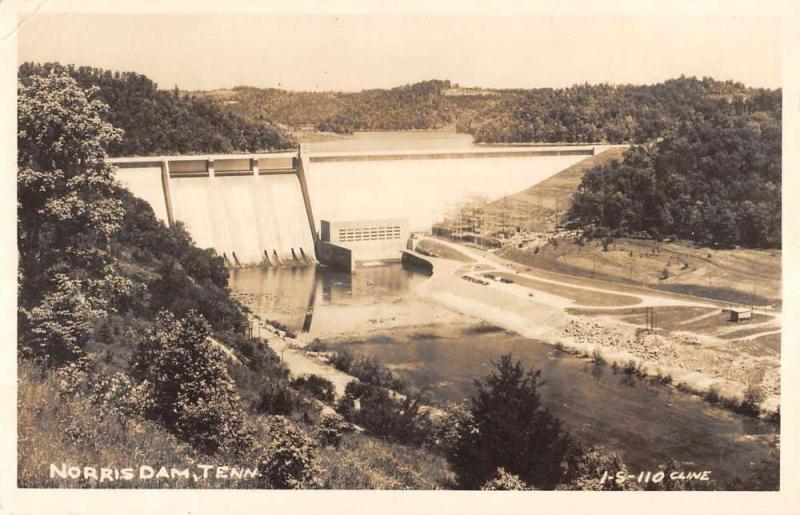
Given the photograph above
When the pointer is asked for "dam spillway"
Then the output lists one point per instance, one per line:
(245, 216)
(252, 209)
(257, 208)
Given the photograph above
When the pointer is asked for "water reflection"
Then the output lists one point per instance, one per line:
(295, 295)
(647, 424)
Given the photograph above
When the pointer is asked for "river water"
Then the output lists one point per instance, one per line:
(646, 424)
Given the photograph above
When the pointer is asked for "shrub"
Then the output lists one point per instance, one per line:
(121, 398)
(317, 345)
(188, 382)
(504, 481)
(330, 430)
(289, 461)
(447, 428)
(316, 386)
(59, 326)
(342, 360)
(633, 368)
(276, 398)
(54, 427)
(382, 413)
(370, 370)
(714, 393)
(586, 469)
(753, 397)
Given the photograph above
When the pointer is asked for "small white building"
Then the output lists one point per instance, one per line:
(739, 314)
(344, 243)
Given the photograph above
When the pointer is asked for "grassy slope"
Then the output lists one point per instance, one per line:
(60, 430)
(364, 462)
(549, 199)
(726, 275)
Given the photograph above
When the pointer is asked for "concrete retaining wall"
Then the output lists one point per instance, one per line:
(334, 256)
(417, 262)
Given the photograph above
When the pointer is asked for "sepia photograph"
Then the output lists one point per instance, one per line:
(423, 247)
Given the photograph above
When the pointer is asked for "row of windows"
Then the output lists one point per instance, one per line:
(371, 233)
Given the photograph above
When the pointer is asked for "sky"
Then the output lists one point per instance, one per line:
(360, 51)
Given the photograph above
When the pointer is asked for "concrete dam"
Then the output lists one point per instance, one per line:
(251, 209)
(257, 208)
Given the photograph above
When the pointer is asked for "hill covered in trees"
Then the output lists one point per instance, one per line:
(577, 114)
(716, 181)
(411, 107)
(156, 121)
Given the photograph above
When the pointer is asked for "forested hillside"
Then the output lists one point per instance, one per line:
(715, 181)
(577, 114)
(164, 122)
(415, 106)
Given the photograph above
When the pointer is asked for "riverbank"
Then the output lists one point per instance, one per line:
(699, 363)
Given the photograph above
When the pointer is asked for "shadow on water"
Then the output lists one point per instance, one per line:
(647, 424)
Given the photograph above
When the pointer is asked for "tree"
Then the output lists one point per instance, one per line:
(161, 121)
(58, 327)
(510, 429)
(66, 213)
(193, 395)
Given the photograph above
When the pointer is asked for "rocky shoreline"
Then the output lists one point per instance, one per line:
(685, 362)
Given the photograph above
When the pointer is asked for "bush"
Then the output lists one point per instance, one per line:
(370, 370)
(188, 383)
(511, 429)
(58, 328)
(586, 469)
(330, 430)
(504, 481)
(753, 397)
(290, 460)
(317, 345)
(276, 398)
(342, 360)
(316, 386)
(633, 368)
(447, 427)
(383, 414)
(65, 428)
